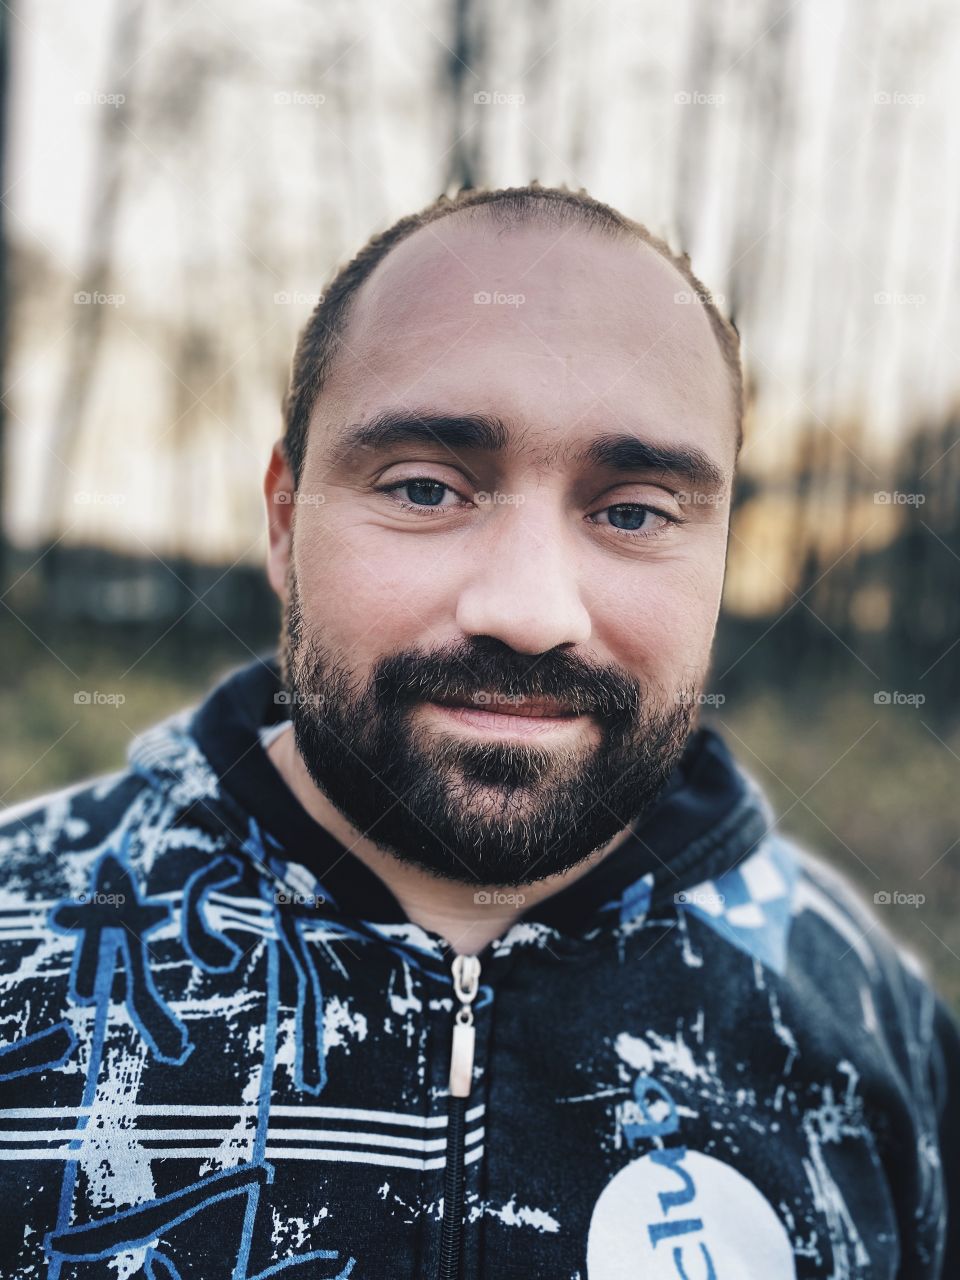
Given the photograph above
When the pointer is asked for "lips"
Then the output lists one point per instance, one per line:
(537, 708)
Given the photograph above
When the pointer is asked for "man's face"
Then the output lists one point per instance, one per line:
(495, 629)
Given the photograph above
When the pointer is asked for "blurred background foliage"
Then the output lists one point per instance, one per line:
(180, 180)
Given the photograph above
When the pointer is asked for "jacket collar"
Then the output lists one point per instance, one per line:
(710, 816)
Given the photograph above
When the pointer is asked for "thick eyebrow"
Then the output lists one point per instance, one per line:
(624, 452)
(630, 453)
(399, 427)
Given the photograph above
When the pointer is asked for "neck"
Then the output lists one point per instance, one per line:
(467, 916)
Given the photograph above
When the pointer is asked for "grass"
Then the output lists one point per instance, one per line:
(872, 789)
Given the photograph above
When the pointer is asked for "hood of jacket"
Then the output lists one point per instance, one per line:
(212, 766)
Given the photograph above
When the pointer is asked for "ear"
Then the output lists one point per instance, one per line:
(279, 490)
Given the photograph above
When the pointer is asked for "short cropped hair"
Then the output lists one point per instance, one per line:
(321, 336)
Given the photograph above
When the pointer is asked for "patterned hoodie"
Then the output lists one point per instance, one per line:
(226, 1053)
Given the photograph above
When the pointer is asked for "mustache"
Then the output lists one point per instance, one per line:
(486, 667)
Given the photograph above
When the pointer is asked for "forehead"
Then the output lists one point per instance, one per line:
(566, 330)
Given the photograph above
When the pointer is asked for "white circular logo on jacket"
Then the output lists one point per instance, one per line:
(681, 1215)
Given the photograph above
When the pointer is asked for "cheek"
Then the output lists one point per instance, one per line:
(658, 620)
(362, 597)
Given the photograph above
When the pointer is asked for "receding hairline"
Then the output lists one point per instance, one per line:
(510, 208)
(532, 220)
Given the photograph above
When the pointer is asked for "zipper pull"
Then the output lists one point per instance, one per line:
(466, 982)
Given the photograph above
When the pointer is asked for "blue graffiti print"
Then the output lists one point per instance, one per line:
(113, 922)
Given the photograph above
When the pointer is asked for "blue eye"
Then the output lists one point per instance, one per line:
(425, 493)
(629, 519)
(629, 516)
(420, 493)
(633, 518)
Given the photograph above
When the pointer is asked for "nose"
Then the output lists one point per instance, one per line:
(523, 590)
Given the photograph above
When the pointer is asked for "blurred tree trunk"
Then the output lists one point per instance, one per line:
(109, 174)
(542, 26)
(463, 81)
(767, 124)
(696, 124)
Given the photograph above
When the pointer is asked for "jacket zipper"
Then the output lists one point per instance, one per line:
(466, 981)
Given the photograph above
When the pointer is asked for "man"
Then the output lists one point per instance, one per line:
(447, 944)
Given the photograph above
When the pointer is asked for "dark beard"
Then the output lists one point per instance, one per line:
(481, 813)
